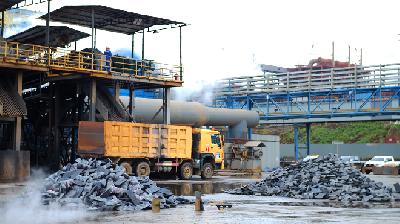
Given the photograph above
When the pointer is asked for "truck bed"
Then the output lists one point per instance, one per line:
(134, 140)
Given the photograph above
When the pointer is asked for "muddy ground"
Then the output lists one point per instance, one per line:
(245, 209)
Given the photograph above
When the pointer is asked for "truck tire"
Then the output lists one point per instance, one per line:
(143, 169)
(207, 171)
(127, 167)
(186, 171)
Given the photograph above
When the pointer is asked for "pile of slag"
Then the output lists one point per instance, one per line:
(326, 177)
(100, 184)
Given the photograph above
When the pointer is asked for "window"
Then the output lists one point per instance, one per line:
(215, 139)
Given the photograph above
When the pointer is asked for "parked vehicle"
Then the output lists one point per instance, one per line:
(350, 159)
(353, 160)
(379, 161)
(145, 148)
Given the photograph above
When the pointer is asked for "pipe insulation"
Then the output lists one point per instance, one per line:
(190, 113)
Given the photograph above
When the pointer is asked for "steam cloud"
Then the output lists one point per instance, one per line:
(28, 207)
(198, 91)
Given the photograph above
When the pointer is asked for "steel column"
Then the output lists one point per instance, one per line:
(131, 103)
(166, 106)
(180, 54)
(2, 24)
(93, 95)
(143, 45)
(296, 142)
(249, 107)
(117, 89)
(93, 34)
(133, 46)
(57, 114)
(48, 24)
(308, 140)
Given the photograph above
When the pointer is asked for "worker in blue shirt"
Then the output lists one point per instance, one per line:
(108, 55)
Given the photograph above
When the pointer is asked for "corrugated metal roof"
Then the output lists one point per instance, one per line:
(106, 18)
(6, 4)
(59, 36)
(11, 103)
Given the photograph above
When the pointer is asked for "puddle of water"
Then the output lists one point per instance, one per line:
(188, 189)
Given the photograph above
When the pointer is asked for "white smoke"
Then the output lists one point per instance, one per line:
(28, 207)
(198, 91)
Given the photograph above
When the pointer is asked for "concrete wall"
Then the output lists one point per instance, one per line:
(364, 151)
(271, 152)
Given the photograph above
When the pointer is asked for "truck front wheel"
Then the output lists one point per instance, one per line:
(143, 169)
(186, 171)
(207, 171)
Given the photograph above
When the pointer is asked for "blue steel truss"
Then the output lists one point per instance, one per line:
(302, 97)
(322, 104)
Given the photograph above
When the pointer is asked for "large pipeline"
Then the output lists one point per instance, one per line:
(192, 113)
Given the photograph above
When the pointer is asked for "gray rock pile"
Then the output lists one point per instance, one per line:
(99, 184)
(326, 177)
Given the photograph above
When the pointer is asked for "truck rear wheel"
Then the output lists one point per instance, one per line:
(127, 167)
(143, 169)
(207, 171)
(186, 171)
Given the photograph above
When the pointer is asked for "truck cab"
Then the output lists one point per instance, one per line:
(207, 151)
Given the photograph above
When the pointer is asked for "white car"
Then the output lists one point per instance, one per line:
(379, 161)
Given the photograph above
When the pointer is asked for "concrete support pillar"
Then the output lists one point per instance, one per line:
(131, 103)
(166, 106)
(92, 100)
(18, 120)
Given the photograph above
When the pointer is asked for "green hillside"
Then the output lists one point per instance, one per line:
(354, 132)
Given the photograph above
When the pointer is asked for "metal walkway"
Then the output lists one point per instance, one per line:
(329, 95)
(64, 64)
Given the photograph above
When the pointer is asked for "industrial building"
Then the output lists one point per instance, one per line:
(108, 138)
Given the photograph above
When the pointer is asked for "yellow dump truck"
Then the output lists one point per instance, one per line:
(145, 148)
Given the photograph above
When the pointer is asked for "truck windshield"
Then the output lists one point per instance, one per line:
(377, 159)
(215, 139)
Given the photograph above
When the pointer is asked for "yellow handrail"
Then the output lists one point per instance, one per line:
(14, 52)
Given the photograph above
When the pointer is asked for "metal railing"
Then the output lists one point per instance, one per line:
(375, 76)
(71, 60)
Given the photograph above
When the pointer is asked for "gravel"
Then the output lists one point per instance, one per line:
(326, 177)
(102, 185)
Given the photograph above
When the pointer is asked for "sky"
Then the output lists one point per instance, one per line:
(230, 38)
